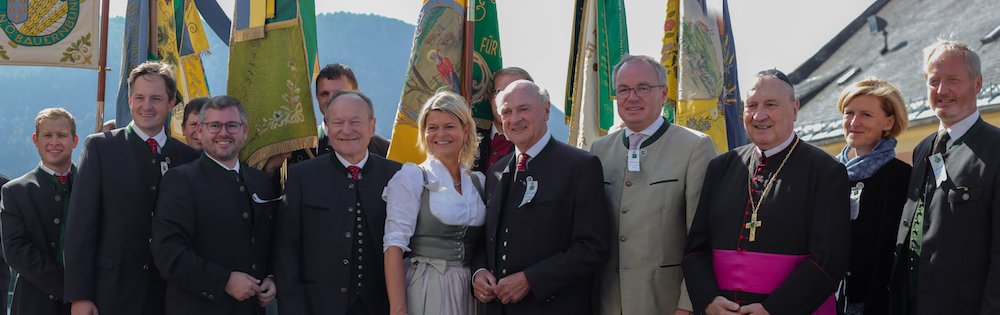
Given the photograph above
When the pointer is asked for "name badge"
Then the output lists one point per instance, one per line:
(633, 160)
(163, 167)
(529, 193)
(856, 200)
(937, 164)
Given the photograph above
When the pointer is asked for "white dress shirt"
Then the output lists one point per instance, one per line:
(402, 196)
(960, 128)
(161, 138)
(347, 164)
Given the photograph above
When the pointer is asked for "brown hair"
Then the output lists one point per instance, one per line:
(53, 113)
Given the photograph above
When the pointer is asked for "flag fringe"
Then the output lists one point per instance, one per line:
(261, 155)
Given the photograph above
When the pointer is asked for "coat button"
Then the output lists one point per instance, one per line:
(347, 262)
(53, 245)
(153, 188)
(151, 240)
(965, 196)
(56, 221)
(253, 240)
(916, 191)
(58, 198)
(347, 235)
(243, 188)
(246, 215)
(211, 297)
(350, 186)
(906, 223)
(350, 209)
(623, 238)
(152, 161)
(254, 266)
(51, 297)
(343, 290)
(145, 267)
(504, 257)
(624, 210)
(628, 183)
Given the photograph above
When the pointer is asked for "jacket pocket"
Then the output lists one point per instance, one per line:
(315, 207)
(965, 194)
(663, 181)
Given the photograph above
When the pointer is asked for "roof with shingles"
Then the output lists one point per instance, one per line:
(912, 25)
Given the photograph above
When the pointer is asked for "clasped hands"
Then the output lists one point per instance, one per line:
(242, 286)
(721, 305)
(509, 290)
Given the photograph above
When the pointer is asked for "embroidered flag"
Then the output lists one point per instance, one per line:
(600, 40)
(56, 33)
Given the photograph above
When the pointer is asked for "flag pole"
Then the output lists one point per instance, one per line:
(102, 65)
(468, 53)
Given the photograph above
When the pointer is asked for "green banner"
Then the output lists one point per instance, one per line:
(487, 58)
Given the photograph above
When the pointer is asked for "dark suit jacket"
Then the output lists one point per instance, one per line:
(32, 216)
(559, 239)
(108, 225)
(205, 227)
(959, 268)
(484, 151)
(315, 230)
(4, 269)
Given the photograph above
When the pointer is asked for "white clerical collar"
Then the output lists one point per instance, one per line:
(235, 168)
(649, 131)
(51, 171)
(494, 132)
(348, 164)
(961, 127)
(161, 138)
(534, 149)
(779, 148)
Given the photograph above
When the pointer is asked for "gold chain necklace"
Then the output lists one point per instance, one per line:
(754, 223)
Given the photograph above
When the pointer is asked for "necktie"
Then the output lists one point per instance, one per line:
(153, 146)
(941, 146)
(634, 140)
(355, 171)
(235, 174)
(522, 162)
(63, 178)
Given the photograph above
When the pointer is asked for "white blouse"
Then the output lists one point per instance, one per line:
(402, 196)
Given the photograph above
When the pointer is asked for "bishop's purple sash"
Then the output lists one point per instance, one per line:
(752, 272)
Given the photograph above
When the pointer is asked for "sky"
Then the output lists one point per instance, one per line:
(535, 35)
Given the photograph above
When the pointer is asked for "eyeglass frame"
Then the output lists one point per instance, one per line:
(630, 90)
(218, 127)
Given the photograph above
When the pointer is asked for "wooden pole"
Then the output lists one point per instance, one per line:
(467, 63)
(102, 65)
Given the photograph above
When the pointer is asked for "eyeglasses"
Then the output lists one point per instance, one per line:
(640, 91)
(214, 127)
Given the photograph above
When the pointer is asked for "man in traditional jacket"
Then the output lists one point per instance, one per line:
(547, 229)
(772, 230)
(493, 144)
(109, 267)
(213, 223)
(652, 195)
(948, 242)
(33, 215)
(328, 244)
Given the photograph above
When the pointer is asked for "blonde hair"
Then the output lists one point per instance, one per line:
(455, 106)
(53, 113)
(946, 47)
(888, 94)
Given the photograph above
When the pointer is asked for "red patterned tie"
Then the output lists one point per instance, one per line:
(153, 146)
(63, 178)
(355, 171)
(522, 162)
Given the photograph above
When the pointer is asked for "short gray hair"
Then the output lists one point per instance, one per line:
(944, 47)
(368, 101)
(661, 72)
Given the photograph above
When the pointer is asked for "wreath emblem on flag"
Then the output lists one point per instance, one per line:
(38, 22)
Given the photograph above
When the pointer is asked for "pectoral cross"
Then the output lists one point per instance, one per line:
(753, 225)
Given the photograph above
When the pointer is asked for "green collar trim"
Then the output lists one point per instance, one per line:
(213, 165)
(972, 130)
(135, 138)
(656, 135)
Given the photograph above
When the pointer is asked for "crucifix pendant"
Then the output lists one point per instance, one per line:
(753, 225)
